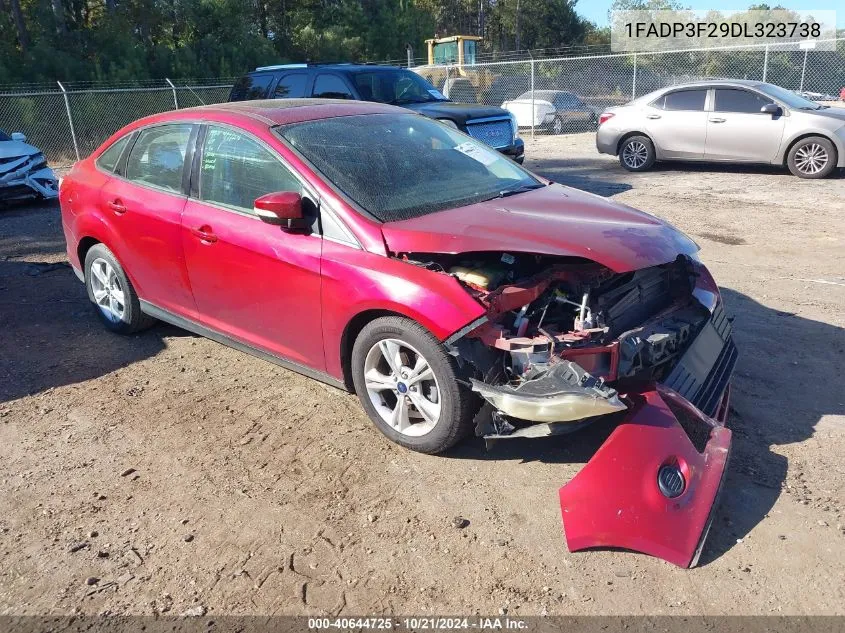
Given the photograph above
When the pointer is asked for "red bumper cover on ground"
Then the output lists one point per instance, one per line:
(616, 501)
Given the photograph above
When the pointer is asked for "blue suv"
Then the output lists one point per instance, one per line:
(384, 84)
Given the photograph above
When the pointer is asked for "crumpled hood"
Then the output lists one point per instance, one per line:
(460, 113)
(12, 149)
(554, 220)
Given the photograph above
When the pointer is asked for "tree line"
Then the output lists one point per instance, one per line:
(123, 40)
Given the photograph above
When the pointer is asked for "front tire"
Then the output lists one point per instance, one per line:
(111, 293)
(637, 153)
(812, 157)
(557, 125)
(408, 385)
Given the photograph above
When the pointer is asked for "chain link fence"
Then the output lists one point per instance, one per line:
(558, 95)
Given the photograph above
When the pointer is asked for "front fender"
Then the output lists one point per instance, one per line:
(355, 281)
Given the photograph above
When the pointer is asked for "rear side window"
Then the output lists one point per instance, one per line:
(236, 169)
(682, 100)
(728, 100)
(158, 156)
(331, 87)
(291, 86)
(251, 87)
(108, 159)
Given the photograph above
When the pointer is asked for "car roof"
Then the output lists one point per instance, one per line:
(715, 82)
(338, 67)
(273, 112)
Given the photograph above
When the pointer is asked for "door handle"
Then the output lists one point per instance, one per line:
(717, 120)
(117, 206)
(652, 116)
(205, 234)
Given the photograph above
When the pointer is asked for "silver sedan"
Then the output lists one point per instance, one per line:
(726, 121)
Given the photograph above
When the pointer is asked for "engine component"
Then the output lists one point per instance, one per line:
(565, 392)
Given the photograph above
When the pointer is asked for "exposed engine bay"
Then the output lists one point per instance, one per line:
(563, 337)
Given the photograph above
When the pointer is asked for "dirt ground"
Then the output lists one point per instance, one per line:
(188, 477)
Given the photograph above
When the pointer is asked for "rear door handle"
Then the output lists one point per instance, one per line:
(717, 120)
(205, 234)
(117, 206)
(652, 116)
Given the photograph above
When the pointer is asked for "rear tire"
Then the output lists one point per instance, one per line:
(812, 157)
(395, 399)
(557, 125)
(111, 293)
(637, 153)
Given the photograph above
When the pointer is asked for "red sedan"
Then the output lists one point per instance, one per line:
(453, 290)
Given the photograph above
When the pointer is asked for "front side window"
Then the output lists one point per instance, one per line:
(331, 87)
(731, 100)
(291, 86)
(108, 159)
(236, 169)
(158, 156)
(420, 167)
(395, 87)
(683, 100)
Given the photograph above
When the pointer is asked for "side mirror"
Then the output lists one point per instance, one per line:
(283, 208)
(771, 108)
(17, 136)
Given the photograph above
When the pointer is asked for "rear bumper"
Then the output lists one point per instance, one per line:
(606, 140)
(515, 151)
(616, 501)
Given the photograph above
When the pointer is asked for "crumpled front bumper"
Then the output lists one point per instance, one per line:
(616, 500)
(23, 184)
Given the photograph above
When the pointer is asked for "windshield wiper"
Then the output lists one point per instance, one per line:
(504, 193)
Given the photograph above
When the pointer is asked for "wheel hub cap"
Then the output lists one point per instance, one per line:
(402, 388)
(107, 290)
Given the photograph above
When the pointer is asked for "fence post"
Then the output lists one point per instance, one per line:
(803, 70)
(533, 111)
(766, 63)
(175, 100)
(634, 83)
(69, 119)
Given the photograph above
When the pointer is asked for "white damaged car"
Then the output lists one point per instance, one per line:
(23, 170)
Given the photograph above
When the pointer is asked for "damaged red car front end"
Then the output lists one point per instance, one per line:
(623, 321)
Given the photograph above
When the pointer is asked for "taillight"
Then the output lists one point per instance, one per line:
(605, 116)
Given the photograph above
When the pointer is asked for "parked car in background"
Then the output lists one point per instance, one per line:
(383, 84)
(815, 96)
(556, 111)
(379, 251)
(730, 121)
(23, 170)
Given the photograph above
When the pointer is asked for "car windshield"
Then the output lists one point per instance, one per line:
(403, 166)
(788, 97)
(396, 87)
(4, 136)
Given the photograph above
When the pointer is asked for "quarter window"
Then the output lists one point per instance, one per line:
(251, 87)
(108, 159)
(291, 86)
(682, 100)
(331, 87)
(236, 169)
(728, 100)
(158, 156)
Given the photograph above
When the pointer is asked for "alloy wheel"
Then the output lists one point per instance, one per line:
(557, 126)
(107, 290)
(635, 154)
(811, 158)
(402, 387)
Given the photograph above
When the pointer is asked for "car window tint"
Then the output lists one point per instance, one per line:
(108, 159)
(331, 87)
(251, 87)
(683, 100)
(235, 170)
(730, 100)
(158, 155)
(291, 86)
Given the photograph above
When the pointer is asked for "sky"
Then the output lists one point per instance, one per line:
(596, 10)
